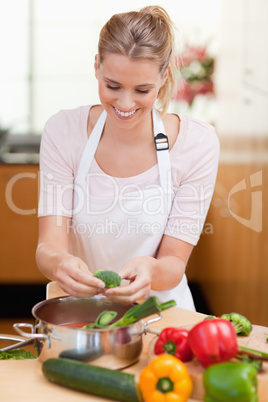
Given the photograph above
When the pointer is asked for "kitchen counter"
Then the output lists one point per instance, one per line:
(23, 381)
(20, 149)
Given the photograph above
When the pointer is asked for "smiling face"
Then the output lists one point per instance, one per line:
(127, 89)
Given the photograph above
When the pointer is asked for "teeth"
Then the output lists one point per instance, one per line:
(124, 114)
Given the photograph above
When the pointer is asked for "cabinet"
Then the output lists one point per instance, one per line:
(230, 261)
(19, 224)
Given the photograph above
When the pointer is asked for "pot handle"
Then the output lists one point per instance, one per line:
(150, 322)
(15, 338)
(31, 334)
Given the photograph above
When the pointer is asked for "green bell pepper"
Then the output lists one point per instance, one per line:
(231, 381)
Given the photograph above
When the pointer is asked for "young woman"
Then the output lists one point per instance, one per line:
(125, 186)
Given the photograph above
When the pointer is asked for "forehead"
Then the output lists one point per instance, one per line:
(121, 68)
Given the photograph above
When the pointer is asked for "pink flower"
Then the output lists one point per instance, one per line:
(197, 69)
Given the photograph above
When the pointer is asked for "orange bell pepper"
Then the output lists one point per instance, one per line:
(165, 379)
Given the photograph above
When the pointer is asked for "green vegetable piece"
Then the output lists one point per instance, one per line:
(231, 381)
(168, 304)
(257, 363)
(210, 317)
(110, 278)
(150, 306)
(103, 319)
(241, 324)
(16, 354)
(258, 353)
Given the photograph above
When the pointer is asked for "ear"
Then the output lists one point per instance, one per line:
(96, 66)
(165, 76)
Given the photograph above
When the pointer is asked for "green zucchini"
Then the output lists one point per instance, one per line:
(111, 384)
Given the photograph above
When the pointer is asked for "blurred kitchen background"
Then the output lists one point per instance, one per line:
(47, 50)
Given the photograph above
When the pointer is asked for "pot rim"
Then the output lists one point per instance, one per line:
(53, 300)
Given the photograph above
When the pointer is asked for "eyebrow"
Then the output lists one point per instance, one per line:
(149, 84)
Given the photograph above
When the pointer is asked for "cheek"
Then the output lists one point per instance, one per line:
(104, 93)
(151, 97)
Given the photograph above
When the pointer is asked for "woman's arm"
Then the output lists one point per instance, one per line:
(53, 244)
(56, 263)
(172, 258)
(147, 273)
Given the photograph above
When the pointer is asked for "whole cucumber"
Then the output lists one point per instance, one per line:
(91, 379)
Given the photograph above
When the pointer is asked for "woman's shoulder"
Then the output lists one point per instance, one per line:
(196, 131)
(197, 127)
(67, 128)
(196, 141)
(186, 132)
(171, 123)
(68, 116)
(93, 116)
(72, 123)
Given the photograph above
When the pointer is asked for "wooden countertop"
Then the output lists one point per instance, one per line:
(23, 381)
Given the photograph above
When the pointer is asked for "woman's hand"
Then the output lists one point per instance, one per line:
(138, 271)
(145, 273)
(57, 264)
(75, 279)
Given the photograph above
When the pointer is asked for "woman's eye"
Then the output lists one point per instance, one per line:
(146, 91)
(115, 88)
(112, 87)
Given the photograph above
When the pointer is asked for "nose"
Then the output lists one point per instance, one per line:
(126, 101)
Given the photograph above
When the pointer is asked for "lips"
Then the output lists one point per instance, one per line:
(124, 114)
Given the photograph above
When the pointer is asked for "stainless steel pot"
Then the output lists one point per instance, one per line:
(113, 348)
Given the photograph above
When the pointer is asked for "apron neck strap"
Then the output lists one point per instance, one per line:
(162, 148)
(91, 146)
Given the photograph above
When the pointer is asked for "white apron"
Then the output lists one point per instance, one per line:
(108, 232)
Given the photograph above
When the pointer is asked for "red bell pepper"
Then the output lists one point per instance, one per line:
(174, 341)
(213, 341)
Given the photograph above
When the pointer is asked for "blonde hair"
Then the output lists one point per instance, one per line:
(146, 34)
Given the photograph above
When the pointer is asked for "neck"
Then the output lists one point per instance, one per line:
(140, 133)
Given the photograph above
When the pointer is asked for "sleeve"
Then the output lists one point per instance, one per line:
(194, 192)
(56, 172)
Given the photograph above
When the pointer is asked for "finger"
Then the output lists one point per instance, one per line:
(77, 289)
(88, 279)
(137, 283)
(129, 296)
(78, 283)
(82, 275)
(129, 300)
(128, 274)
(138, 275)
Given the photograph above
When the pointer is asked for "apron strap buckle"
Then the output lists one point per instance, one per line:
(161, 142)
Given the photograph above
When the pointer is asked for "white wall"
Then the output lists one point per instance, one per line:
(242, 69)
(65, 36)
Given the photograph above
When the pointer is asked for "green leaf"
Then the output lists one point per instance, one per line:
(16, 354)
